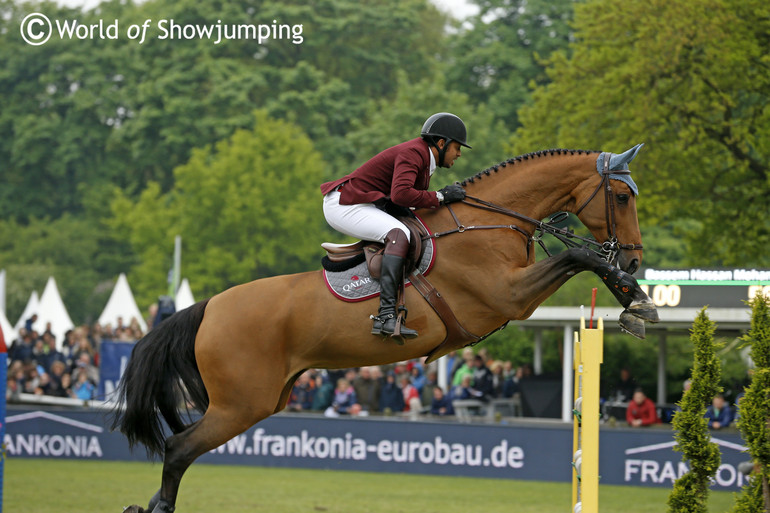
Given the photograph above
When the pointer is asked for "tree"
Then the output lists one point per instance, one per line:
(187, 94)
(81, 117)
(364, 43)
(689, 78)
(755, 410)
(121, 112)
(391, 121)
(690, 491)
(57, 106)
(246, 208)
(81, 254)
(326, 109)
(501, 55)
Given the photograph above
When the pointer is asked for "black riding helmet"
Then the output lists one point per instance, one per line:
(444, 125)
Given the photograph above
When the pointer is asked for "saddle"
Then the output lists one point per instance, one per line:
(341, 257)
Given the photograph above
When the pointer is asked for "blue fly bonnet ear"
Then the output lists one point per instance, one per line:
(620, 163)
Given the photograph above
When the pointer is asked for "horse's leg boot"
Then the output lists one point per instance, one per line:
(163, 507)
(154, 501)
(396, 247)
(621, 284)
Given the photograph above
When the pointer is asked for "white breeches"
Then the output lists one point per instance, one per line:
(363, 220)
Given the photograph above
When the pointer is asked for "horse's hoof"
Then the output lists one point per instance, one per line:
(632, 324)
(644, 310)
(133, 509)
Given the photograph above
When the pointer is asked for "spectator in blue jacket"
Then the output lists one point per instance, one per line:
(464, 390)
(719, 413)
(29, 324)
(302, 394)
(441, 404)
(83, 388)
(344, 399)
(22, 347)
(391, 395)
(418, 377)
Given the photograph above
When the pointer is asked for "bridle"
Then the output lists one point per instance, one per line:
(611, 246)
(608, 249)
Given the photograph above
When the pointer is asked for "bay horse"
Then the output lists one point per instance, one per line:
(236, 356)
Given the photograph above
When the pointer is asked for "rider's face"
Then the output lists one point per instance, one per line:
(453, 152)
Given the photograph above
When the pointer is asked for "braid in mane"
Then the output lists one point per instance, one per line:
(521, 158)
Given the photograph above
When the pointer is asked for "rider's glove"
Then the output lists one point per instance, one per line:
(451, 193)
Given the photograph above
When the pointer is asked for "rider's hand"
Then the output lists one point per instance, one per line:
(452, 193)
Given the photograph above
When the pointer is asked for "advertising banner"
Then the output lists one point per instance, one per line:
(114, 358)
(541, 451)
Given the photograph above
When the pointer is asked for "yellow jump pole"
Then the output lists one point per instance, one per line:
(589, 354)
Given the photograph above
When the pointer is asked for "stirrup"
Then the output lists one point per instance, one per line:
(379, 329)
(410, 333)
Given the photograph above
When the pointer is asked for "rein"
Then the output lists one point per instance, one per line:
(609, 248)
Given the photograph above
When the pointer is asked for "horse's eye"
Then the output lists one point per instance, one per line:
(623, 199)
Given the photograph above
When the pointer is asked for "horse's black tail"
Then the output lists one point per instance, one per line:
(161, 376)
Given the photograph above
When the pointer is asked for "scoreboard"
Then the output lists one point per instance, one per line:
(695, 288)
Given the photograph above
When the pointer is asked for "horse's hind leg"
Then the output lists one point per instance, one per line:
(217, 426)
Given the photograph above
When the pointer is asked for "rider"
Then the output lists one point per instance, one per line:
(355, 204)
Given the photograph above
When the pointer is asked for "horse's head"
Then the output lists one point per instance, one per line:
(608, 209)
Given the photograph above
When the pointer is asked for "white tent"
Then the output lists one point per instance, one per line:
(122, 304)
(8, 333)
(51, 309)
(33, 306)
(184, 296)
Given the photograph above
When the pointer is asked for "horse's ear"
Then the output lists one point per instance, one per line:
(621, 161)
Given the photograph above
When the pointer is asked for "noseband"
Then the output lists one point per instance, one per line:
(608, 249)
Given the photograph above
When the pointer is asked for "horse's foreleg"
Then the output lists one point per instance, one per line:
(638, 305)
(531, 285)
(535, 283)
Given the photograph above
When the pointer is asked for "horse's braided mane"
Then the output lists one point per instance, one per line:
(521, 158)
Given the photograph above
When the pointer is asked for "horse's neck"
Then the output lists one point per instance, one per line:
(538, 186)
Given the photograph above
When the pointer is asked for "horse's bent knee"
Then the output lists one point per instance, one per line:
(584, 259)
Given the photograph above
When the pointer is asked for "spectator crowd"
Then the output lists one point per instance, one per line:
(38, 366)
(641, 411)
(406, 388)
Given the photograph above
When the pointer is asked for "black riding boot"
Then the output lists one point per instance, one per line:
(391, 277)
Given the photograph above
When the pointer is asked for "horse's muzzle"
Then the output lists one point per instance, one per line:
(631, 266)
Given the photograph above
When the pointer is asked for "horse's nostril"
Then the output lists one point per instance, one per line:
(633, 266)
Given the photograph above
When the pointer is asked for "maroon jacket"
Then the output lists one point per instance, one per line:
(400, 173)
